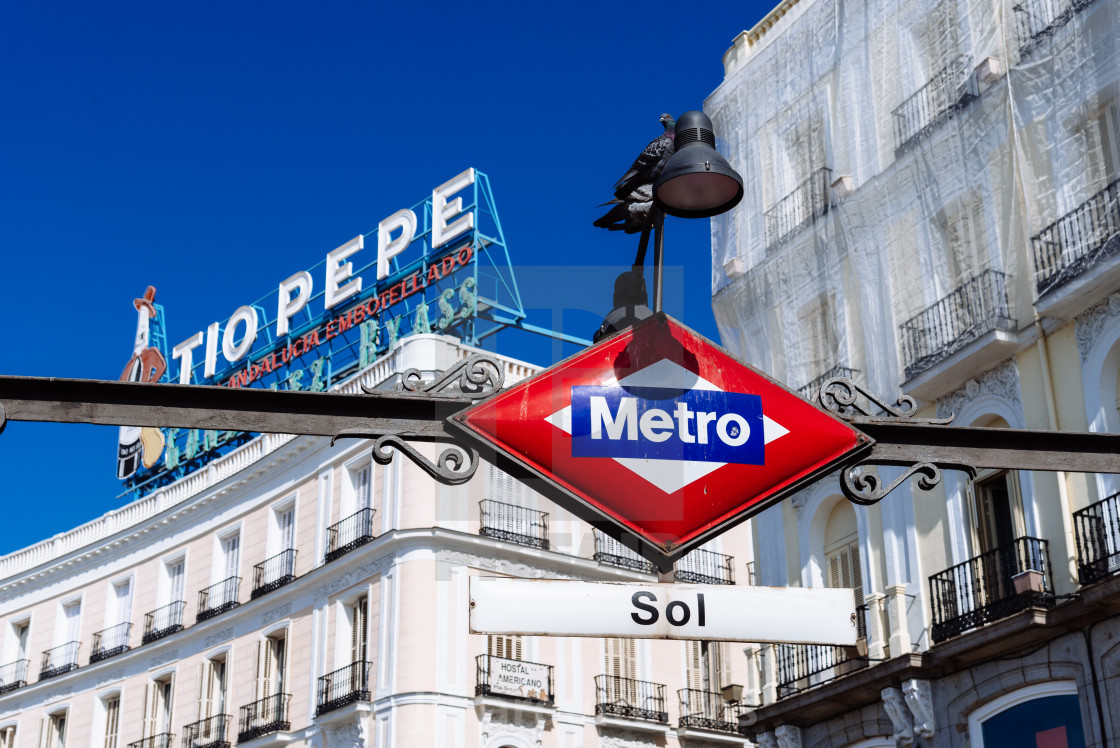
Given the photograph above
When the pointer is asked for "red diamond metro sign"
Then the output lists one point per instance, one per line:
(660, 433)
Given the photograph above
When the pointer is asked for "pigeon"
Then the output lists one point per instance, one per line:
(633, 193)
(647, 167)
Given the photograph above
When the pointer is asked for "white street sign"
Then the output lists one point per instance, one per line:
(662, 611)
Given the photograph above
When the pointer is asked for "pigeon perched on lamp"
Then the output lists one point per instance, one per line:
(633, 193)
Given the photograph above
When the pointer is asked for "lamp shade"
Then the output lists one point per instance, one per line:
(697, 182)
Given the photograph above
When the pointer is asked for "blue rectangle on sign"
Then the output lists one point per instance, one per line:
(667, 424)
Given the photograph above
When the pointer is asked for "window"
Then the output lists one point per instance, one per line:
(841, 551)
(361, 489)
(501, 486)
(119, 609)
(1100, 136)
(620, 658)
(705, 665)
(1048, 722)
(508, 647)
(173, 578)
(963, 232)
(158, 709)
(819, 339)
(230, 560)
(997, 510)
(359, 634)
(54, 733)
(8, 737)
(271, 662)
(286, 527)
(212, 687)
(937, 41)
(69, 628)
(112, 720)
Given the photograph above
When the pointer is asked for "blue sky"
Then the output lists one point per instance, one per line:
(213, 150)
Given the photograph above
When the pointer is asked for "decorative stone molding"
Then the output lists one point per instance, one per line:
(788, 736)
(895, 705)
(348, 735)
(341, 582)
(60, 693)
(767, 740)
(276, 613)
(173, 654)
(109, 677)
(501, 565)
(497, 724)
(799, 501)
(615, 738)
(1002, 381)
(218, 637)
(1089, 324)
(919, 697)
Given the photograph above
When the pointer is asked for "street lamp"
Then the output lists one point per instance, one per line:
(697, 182)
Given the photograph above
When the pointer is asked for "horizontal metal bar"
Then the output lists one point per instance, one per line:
(1019, 449)
(414, 416)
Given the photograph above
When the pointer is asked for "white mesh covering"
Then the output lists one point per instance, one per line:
(914, 171)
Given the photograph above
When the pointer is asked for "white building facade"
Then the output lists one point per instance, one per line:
(291, 592)
(931, 205)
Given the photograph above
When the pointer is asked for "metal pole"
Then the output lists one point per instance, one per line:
(658, 257)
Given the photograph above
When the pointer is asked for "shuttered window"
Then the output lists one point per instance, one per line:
(8, 737)
(72, 621)
(287, 523)
(54, 733)
(212, 688)
(271, 656)
(112, 721)
(122, 609)
(175, 579)
(359, 633)
(844, 569)
(508, 647)
(1101, 134)
(621, 658)
(704, 669)
(361, 480)
(231, 554)
(157, 707)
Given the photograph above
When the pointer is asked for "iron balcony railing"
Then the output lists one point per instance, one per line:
(972, 310)
(13, 675)
(350, 533)
(1038, 20)
(218, 598)
(633, 699)
(613, 553)
(1078, 240)
(211, 732)
(274, 573)
(344, 686)
(264, 717)
(163, 621)
(706, 567)
(708, 710)
(513, 679)
(517, 524)
(162, 740)
(950, 89)
(809, 391)
(110, 642)
(801, 666)
(59, 660)
(983, 588)
(1097, 528)
(808, 201)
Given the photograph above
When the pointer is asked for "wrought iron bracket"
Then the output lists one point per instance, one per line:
(861, 487)
(477, 376)
(839, 395)
(447, 469)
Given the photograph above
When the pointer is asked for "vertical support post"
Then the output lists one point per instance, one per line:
(658, 257)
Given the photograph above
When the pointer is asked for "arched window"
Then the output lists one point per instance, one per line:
(1046, 715)
(841, 550)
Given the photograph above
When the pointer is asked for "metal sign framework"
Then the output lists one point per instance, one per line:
(422, 411)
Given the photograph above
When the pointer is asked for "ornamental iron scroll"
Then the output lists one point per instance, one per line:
(448, 467)
(839, 396)
(868, 488)
(476, 377)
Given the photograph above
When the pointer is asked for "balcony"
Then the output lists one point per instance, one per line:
(1038, 20)
(352, 532)
(802, 666)
(809, 391)
(208, 733)
(218, 598)
(1077, 241)
(1097, 527)
(708, 710)
(629, 698)
(162, 740)
(110, 642)
(13, 675)
(613, 553)
(264, 717)
(984, 589)
(344, 686)
(515, 524)
(808, 201)
(974, 309)
(949, 90)
(706, 567)
(61, 659)
(274, 573)
(163, 622)
(513, 679)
